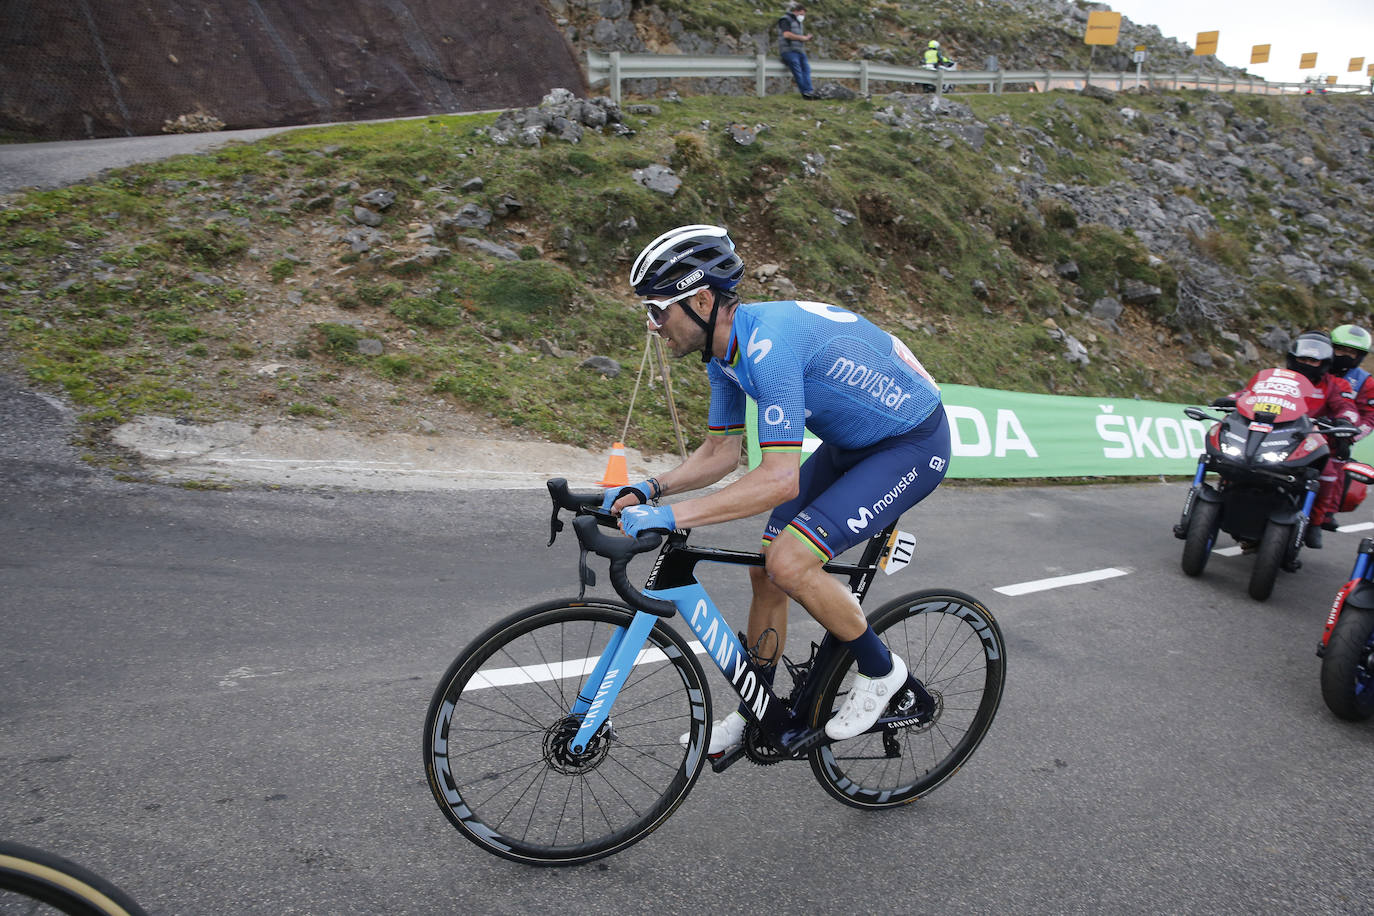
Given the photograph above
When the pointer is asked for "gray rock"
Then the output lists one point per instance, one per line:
(473, 184)
(380, 198)
(366, 216)
(488, 248)
(603, 364)
(1106, 309)
(471, 216)
(1068, 270)
(370, 346)
(1137, 292)
(658, 178)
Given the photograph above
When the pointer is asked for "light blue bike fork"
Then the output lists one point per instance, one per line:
(613, 668)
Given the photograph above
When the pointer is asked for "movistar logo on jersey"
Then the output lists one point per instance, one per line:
(693, 277)
(758, 349)
(856, 375)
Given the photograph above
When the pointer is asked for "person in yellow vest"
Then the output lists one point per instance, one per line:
(933, 59)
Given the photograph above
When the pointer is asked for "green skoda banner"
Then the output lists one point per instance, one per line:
(1011, 434)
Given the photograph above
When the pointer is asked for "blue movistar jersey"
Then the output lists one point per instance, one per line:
(817, 366)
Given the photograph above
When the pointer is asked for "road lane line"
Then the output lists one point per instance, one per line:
(1040, 585)
(573, 668)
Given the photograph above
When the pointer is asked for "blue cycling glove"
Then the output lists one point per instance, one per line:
(635, 519)
(644, 491)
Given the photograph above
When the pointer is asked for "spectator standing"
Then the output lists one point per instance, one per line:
(792, 39)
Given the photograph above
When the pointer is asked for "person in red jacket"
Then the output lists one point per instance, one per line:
(1349, 344)
(1311, 355)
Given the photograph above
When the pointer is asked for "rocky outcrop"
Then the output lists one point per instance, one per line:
(83, 69)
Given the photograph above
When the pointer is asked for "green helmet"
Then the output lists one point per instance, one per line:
(933, 44)
(1352, 336)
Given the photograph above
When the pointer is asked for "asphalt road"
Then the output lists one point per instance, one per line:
(215, 699)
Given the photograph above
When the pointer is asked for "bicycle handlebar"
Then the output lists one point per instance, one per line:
(619, 550)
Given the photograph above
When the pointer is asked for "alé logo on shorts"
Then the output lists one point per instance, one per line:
(690, 279)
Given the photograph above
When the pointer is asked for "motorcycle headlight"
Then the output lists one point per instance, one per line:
(1275, 457)
(1232, 451)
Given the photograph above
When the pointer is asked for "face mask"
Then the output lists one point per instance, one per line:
(1343, 364)
(801, 17)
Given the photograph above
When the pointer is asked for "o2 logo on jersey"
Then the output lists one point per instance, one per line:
(773, 415)
(937, 463)
(828, 312)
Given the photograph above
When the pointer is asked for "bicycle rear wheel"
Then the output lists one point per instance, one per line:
(498, 726)
(60, 883)
(953, 646)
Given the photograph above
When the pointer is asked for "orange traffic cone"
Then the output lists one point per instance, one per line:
(617, 475)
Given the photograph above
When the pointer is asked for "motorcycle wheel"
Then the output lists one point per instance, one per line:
(1273, 545)
(1201, 535)
(1348, 666)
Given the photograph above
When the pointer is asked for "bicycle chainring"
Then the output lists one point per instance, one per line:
(759, 750)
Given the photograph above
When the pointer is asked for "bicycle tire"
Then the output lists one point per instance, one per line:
(954, 646)
(61, 883)
(491, 745)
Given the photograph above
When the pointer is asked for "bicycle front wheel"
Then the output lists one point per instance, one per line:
(496, 737)
(952, 645)
(60, 883)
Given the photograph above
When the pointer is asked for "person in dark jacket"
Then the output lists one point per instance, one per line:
(792, 39)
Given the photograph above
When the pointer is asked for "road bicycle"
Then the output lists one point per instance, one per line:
(59, 883)
(572, 729)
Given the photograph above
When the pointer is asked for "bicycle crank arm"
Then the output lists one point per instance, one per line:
(725, 761)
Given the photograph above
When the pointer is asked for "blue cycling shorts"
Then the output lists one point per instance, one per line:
(848, 496)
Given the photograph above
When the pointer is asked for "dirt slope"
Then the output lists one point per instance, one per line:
(72, 69)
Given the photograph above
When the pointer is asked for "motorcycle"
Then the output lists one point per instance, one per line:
(1347, 644)
(1266, 454)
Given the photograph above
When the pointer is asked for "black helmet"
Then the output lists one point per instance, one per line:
(686, 259)
(1311, 345)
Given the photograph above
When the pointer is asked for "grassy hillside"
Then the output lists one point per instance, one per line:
(226, 286)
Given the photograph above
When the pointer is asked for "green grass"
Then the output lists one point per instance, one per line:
(143, 292)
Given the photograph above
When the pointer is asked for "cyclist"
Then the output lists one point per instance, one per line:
(885, 447)
(1349, 343)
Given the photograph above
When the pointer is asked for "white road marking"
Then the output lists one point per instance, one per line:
(1040, 585)
(578, 668)
(1358, 526)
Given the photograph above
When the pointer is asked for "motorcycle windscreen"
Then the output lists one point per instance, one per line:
(1277, 396)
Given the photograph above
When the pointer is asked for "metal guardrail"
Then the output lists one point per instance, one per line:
(614, 68)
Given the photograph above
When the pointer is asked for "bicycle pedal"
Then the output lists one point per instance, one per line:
(721, 762)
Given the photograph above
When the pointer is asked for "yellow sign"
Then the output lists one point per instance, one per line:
(1309, 61)
(1356, 64)
(1103, 28)
(1370, 70)
(1331, 80)
(1206, 43)
(1259, 54)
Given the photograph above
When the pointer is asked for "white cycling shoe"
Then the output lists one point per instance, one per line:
(726, 734)
(867, 699)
